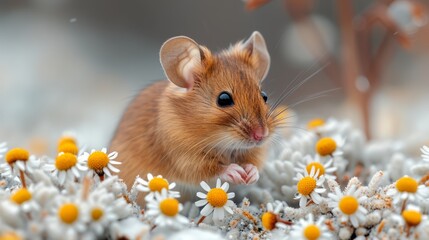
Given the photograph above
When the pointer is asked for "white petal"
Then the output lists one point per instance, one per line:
(112, 168)
(228, 209)
(218, 183)
(201, 203)
(231, 195)
(61, 177)
(221, 212)
(104, 150)
(112, 155)
(302, 201)
(207, 210)
(354, 221)
(107, 172)
(149, 177)
(316, 197)
(201, 195)
(205, 186)
(225, 186)
(172, 185)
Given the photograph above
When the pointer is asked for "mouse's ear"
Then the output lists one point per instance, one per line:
(180, 58)
(258, 50)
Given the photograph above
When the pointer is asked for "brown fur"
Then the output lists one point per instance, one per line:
(178, 134)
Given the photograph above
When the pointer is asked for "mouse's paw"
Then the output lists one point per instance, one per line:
(234, 173)
(252, 173)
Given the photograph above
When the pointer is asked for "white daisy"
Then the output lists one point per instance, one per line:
(425, 153)
(309, 186)
(100, 210)
(23, 197)
(349, 205)
(325, 169)
(66, 167)
(411, 216)
(154, 185)
(66, 220)
(216, 200)
(408, 189)
(100, 163)
(308, 229)
(270, 218)
(20, 162)
(330, 147)
(165, 210)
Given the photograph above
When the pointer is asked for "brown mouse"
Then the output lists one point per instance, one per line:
(209, 120)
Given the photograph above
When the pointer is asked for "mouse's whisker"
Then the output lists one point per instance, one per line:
(296, 87)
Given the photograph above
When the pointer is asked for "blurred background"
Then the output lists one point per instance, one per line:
(74, 65)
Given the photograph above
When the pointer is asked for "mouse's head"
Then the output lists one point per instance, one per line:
(219, 96)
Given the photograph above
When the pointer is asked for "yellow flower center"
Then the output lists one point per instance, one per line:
(317, 166)
(98, 160)
(317, 122)
(412, 217)
(269, 220)
(312, 232)
(68, 213)
(348, 205)
(66, 139)
(68, 147)
(326, 146)
(217, 197)
(306, 185)
(157, 184)
(169, 207)
(16, 154)
(20, 196)
(407, 184)
(96, 213)
(65, 161)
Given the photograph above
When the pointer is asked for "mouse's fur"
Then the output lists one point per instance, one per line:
(177, 130)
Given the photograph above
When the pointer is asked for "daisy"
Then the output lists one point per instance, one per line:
(66, 167)
(324, 169)
(67, 221)
(328, 146)
(101, 209)
(424, 149)
(216, 200)
(310, 230)
(154, 185)
(20, 162)
(407, 188)
(23, 197)
(349, 205)
(309, 186)
(270, 217)
(165, 210)
(100, 162)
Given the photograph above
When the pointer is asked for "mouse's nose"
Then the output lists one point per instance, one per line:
(259, 133)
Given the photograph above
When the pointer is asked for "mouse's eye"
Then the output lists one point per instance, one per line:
(225, 99)
(264, 96)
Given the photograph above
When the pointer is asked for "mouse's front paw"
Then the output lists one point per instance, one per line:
(234, 173)
(252, 173)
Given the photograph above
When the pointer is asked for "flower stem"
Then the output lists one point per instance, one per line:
(21, 175)
(201, 220)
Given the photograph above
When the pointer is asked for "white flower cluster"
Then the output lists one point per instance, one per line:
(321, 184)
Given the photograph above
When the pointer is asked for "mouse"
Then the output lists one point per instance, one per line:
(209, 119)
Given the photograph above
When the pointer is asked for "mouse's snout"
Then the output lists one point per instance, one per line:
(259, 133)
